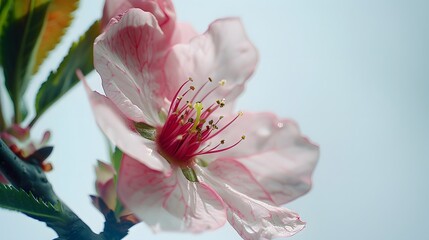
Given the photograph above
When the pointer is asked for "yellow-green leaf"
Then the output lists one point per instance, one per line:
(19, 42)
(58, 19)
(80, 56)
(4, 12)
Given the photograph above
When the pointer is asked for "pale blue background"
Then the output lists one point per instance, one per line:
(354, 74)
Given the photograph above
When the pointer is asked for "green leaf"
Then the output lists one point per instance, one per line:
(116, 162)
(19, 200)
(19, 43)
(116, 159)
(4, 11)
(58, 19)
(80, 56)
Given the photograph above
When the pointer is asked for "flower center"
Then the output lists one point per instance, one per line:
(189, 126)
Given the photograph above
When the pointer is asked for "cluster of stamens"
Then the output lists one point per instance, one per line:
(189, 127)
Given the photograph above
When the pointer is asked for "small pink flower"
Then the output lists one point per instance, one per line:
(107, 200)
(105, 185)
(186, 165)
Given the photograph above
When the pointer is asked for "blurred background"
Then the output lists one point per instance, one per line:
(353, 74)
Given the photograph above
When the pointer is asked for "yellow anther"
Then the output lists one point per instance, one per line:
(190, 79)
(240, 113)
(243, 137)
(222, 82)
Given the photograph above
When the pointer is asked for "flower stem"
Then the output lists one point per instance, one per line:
(2, 121)
(28, 176)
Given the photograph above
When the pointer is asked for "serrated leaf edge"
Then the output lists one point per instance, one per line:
(57, 208)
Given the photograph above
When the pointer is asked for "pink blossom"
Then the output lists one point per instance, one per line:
(105, 184)
(107, 199)
(190, 163)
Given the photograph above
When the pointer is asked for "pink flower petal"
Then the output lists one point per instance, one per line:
(163, 10)
(276, 153)
(183, 33)
(250, 210)
(223, 52)
(129, 59)
(237, 176)
(169, 203)
(107, 192)
(104, 172)
(120, 132)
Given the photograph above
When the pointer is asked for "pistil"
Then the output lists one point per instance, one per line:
(187, 131)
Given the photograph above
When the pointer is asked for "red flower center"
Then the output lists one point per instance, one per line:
(189, 127)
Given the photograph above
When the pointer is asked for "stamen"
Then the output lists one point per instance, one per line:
(199, 90)
(221, 84)
(221, 103)
(177, 93)
(227, 125)
(212, 150)
(188, 129)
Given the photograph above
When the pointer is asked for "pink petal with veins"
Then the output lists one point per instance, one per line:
(163, 10)
(129, 58)
(250, 209)
(169, 203)
(223, 52)
(183, 33)
(276, 153)
(121, 132)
